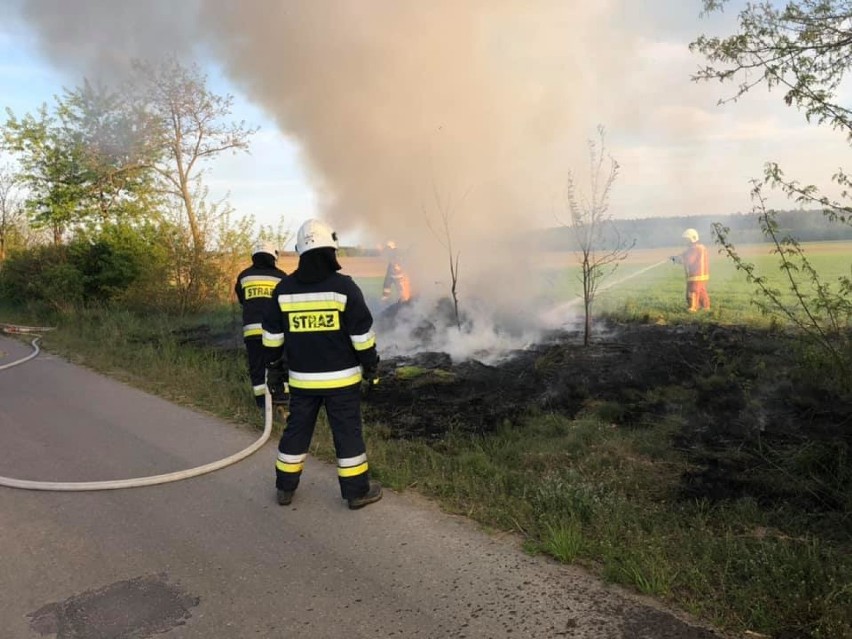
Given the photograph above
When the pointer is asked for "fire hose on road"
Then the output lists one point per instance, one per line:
(136, 482)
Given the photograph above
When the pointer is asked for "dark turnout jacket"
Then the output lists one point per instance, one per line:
(254, 292)
(324, 328)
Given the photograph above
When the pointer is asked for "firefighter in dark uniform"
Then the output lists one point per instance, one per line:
(254, 291)
(320, 333)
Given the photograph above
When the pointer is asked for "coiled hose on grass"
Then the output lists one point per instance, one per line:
(135, 482)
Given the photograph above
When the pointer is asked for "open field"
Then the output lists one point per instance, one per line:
(633, 291)
(658, 293)
(649, 287)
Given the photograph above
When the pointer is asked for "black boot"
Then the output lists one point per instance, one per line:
(373, 494)
(285, 497)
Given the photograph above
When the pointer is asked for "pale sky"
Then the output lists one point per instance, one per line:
(680, 153)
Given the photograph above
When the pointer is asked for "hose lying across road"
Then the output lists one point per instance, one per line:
(124, 483)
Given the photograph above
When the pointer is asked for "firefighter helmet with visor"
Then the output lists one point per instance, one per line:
(265, 247)
(691, 235)
(315, 234)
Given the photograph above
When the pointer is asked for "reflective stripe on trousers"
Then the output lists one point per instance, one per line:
(256, 355)
(344, 417)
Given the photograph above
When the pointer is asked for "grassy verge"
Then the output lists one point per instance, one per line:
(156, 353)
(582, 490)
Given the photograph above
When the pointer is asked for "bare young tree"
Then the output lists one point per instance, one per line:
(11, 208)
(446, 207)
(600, 247)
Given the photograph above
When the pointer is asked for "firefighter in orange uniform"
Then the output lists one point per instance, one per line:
(395, 277)
(696, 266)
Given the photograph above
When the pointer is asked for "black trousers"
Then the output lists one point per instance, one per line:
(257, 360)
(343, 410)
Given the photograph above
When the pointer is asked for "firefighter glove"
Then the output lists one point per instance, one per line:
(371, 371)
(276, 377)
(281, 396)
(367, 385)
(370, 376)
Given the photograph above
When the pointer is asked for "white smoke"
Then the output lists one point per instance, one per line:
(409, 114)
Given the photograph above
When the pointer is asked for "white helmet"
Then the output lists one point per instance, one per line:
(691, 235)
(315, 234)
(390, 245)
(265, 247)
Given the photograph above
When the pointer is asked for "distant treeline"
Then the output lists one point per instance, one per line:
(806, 226)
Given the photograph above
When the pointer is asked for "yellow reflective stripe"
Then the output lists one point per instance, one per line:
(326, 379)
(251, 330)
(698, 278)
(364, 341)
(287, 307)
(337, 383)
(259, 280)
(351, 461)
(324, 296)
(363, 346)
(259, 390)
(327, 300)
(290, 463)
(284, 467)
(272, 340)
(325, 375)
(360, 469)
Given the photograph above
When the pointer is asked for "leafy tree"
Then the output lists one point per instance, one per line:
(186, 126)
(190, 127)
(50, 169)
(600, 246)
(101, 159)
(115, 140)
(11, 209)
(88, 160)
(802, 48)
(42, 277)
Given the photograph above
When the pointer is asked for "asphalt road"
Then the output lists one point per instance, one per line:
(216, 557)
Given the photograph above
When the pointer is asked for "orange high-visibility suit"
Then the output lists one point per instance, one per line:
(396, 277)
(696, 265)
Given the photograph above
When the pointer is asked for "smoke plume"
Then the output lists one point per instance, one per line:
(409, 113)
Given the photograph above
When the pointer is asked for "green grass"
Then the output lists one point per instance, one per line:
(582, 491)
(658, 294)
(147, 352)
(371, 286)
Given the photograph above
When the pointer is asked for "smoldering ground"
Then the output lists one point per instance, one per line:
(736, 395)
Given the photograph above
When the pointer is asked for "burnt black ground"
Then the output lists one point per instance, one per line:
(744, 402)
(735, 390)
